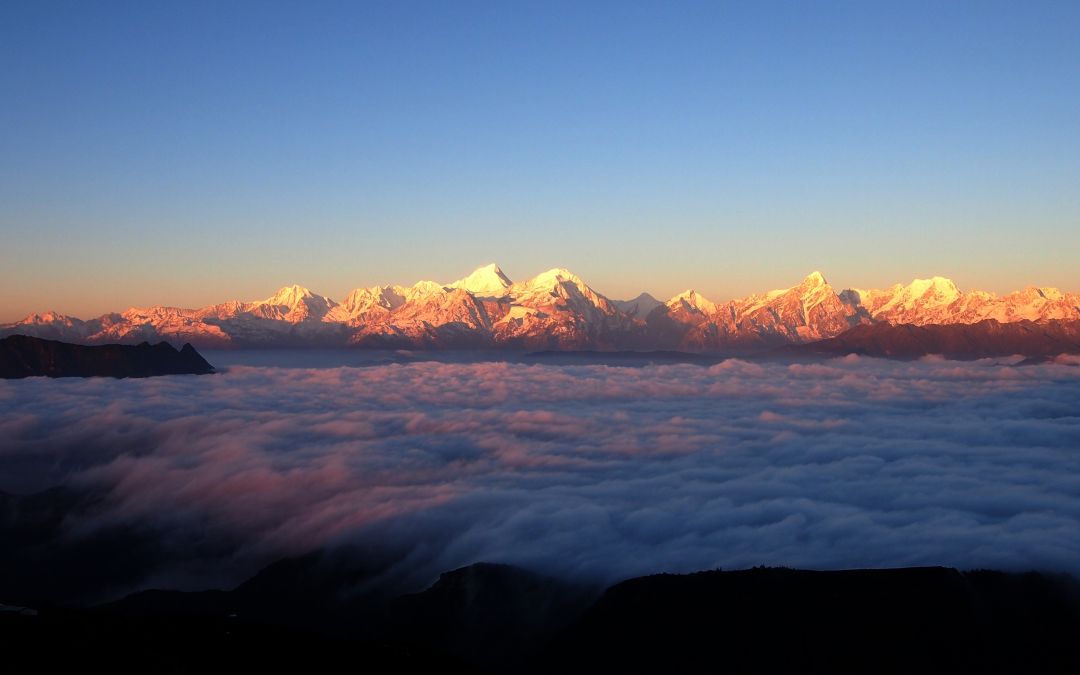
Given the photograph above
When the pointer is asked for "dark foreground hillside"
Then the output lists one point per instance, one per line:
(914, 620)
(297, 616)
(25, 356)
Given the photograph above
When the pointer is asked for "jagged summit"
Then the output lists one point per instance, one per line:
(556, 285)
(50, 316)
(421, 289)
(692, 300)
(921, 301)
(555, 309)
(1049, 292)
(291, 304)
(486, 281)
(553, 277)
(1046, 292)
(361, 300)
(940, 286)
(289, 296)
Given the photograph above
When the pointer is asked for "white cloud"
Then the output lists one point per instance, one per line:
(579, 470)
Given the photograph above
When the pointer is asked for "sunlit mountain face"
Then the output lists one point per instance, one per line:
(554, 310)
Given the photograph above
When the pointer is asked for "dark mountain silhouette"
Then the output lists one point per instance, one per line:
(762, 620)
(58, 639)
(498, 618)
(361, 603)
(955, 341)
(25, 356)
(491, 615)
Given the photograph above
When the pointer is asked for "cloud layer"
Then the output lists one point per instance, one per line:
(586, 471)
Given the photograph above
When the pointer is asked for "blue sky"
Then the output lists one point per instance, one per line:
(188, 153)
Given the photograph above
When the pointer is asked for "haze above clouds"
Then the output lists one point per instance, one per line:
(591, 472)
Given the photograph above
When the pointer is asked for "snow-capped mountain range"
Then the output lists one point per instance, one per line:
(553, 310)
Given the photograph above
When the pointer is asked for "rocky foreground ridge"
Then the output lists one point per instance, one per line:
(25, 356)
(306, 614)
(554, 310)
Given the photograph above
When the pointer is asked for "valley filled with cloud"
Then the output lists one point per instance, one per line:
(585, 471)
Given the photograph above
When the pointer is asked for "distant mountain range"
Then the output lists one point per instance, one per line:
(554, 310)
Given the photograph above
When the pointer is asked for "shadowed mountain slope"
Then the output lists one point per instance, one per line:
(498, 618)
(24, 356)
(927, 620)
(985, 339)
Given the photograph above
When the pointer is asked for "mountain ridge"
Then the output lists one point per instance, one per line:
(305, 612)
(24, 356)
(555, 309)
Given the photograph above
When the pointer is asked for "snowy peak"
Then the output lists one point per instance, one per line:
(940, 289)
(487, 281)
(1036, 293)
(421, 290)
(810, 310)
(48, 318)
(693, 301)
(551, 279)
(289, 296)
(365, 299)
(292, 304)
(551, 284)
(813, 290)
(937, 300)
(554, 309)
(559, 289)
(921, 301)
(1052, 294)
(809, 292)
(814, 280)
(869, 299)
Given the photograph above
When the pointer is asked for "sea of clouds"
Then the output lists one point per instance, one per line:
(585, 471)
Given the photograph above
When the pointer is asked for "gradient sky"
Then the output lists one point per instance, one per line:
(187, 153)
